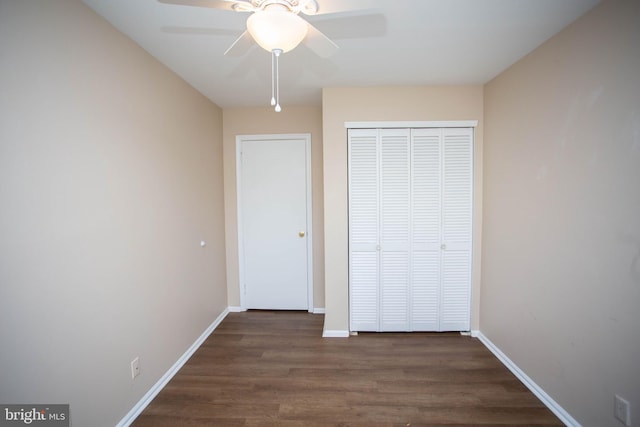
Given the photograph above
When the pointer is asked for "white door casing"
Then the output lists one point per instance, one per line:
(274, 221)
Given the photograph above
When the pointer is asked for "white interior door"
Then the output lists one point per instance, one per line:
(274, 222)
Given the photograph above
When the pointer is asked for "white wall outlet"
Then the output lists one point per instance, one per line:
(622, 411)
(135, 367)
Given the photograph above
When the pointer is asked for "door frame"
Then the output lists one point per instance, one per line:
(306, 139)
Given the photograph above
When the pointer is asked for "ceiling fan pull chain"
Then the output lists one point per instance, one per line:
(273, 76)
(276, 53)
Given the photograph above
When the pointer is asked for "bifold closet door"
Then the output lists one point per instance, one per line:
(426, 236)
(457, 208)
(442, 182)
(364, 218)
(410, 212)
(379, 212)
(379, 230)
(395, 217)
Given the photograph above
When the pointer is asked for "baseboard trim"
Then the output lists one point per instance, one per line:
(158, 386)
(233, 309)
(318, 310)
(328, 333)
(528, 382)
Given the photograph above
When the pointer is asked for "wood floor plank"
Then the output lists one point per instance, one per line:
(263, 368)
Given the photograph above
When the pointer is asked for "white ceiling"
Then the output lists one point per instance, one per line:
(397, 42)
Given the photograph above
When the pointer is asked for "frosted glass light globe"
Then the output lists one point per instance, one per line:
(277, 28)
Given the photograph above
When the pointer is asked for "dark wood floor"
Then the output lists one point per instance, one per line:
(274, 369)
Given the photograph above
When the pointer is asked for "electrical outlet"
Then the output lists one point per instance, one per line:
(622, 411)
(135, 367)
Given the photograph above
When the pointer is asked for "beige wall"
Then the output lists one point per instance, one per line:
(261, 121)
(561, 241)
(110, 175)
(383, 104)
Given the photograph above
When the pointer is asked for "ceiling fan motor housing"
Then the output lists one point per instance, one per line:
(308, 7)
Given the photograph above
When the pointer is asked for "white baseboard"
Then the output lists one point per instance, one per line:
(318, 310)
(327, 333)
(158, 386)
(531, 385)
(235, 309)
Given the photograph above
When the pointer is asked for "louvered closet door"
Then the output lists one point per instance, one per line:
(426, 224)
(394, 229)
(363, 229)
(457, 166)
(410, 218)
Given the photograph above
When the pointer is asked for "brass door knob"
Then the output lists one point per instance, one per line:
(301, 233)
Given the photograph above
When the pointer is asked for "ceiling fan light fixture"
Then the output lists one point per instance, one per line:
(276, 27)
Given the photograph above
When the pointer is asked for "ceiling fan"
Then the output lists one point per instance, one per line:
(275, 25)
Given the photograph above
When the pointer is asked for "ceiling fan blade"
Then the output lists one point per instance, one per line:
(241, 46)
(198, 30)
(337, 6)
(353, 26)
(211, 4)
(319, 43)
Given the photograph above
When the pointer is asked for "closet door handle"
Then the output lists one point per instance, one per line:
(443, 247)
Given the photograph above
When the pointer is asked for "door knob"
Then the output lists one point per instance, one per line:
(443, 247)
(301, 233)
